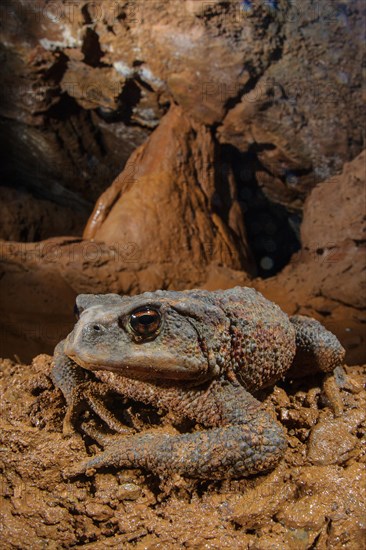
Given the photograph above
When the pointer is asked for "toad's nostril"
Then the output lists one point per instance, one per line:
(97, 327)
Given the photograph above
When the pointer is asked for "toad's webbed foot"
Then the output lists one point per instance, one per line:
(91, 396)
(82, 393)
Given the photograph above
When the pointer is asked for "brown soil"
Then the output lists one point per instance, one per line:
(315, 498)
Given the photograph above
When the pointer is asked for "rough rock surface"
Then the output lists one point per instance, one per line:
(171, 208)
(84, 83)
(328, 273)
(324, 280)
(314, 499)
(27, 218)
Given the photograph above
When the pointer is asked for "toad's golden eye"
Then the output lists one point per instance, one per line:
(145, 321)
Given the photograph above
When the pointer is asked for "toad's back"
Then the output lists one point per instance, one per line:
(263, 338)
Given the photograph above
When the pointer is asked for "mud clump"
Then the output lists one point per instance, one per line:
(315, 498)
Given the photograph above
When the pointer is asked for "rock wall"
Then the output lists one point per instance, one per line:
(171, 144)
(84, 83)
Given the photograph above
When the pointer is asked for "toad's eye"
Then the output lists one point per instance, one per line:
(145, 321)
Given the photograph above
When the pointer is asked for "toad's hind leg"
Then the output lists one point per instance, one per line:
(240, 438)
(317, 349)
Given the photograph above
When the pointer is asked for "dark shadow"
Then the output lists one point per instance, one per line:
(272, 229)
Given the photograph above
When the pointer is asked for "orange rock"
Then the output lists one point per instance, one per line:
(167, 207)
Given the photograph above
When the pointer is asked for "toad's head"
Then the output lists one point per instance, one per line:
(157, 335)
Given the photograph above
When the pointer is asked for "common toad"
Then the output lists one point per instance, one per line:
(199, 355)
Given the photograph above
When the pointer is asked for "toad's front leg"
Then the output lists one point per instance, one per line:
(241, 438)
(82, 392)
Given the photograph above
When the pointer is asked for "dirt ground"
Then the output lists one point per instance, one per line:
(314, 499)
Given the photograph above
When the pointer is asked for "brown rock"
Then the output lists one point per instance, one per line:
(331, 442)
(92, 86)
(174, 172)
(128, 491)
(26, 218)
(326, 278)
(303, 417)
(275, 119)
(308, 513)
(263, 501)
(327, 493)
(99, 512)
(334, 212)
(247, 68)
(48, 143)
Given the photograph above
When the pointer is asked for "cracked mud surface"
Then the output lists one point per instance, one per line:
(315, 498)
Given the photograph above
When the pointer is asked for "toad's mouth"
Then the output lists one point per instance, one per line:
(140, 366)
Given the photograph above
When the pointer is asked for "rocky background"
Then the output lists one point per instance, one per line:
(176, 144)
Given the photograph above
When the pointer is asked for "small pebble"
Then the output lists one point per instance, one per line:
(99, 512)
(128, 491)
(330, 442)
